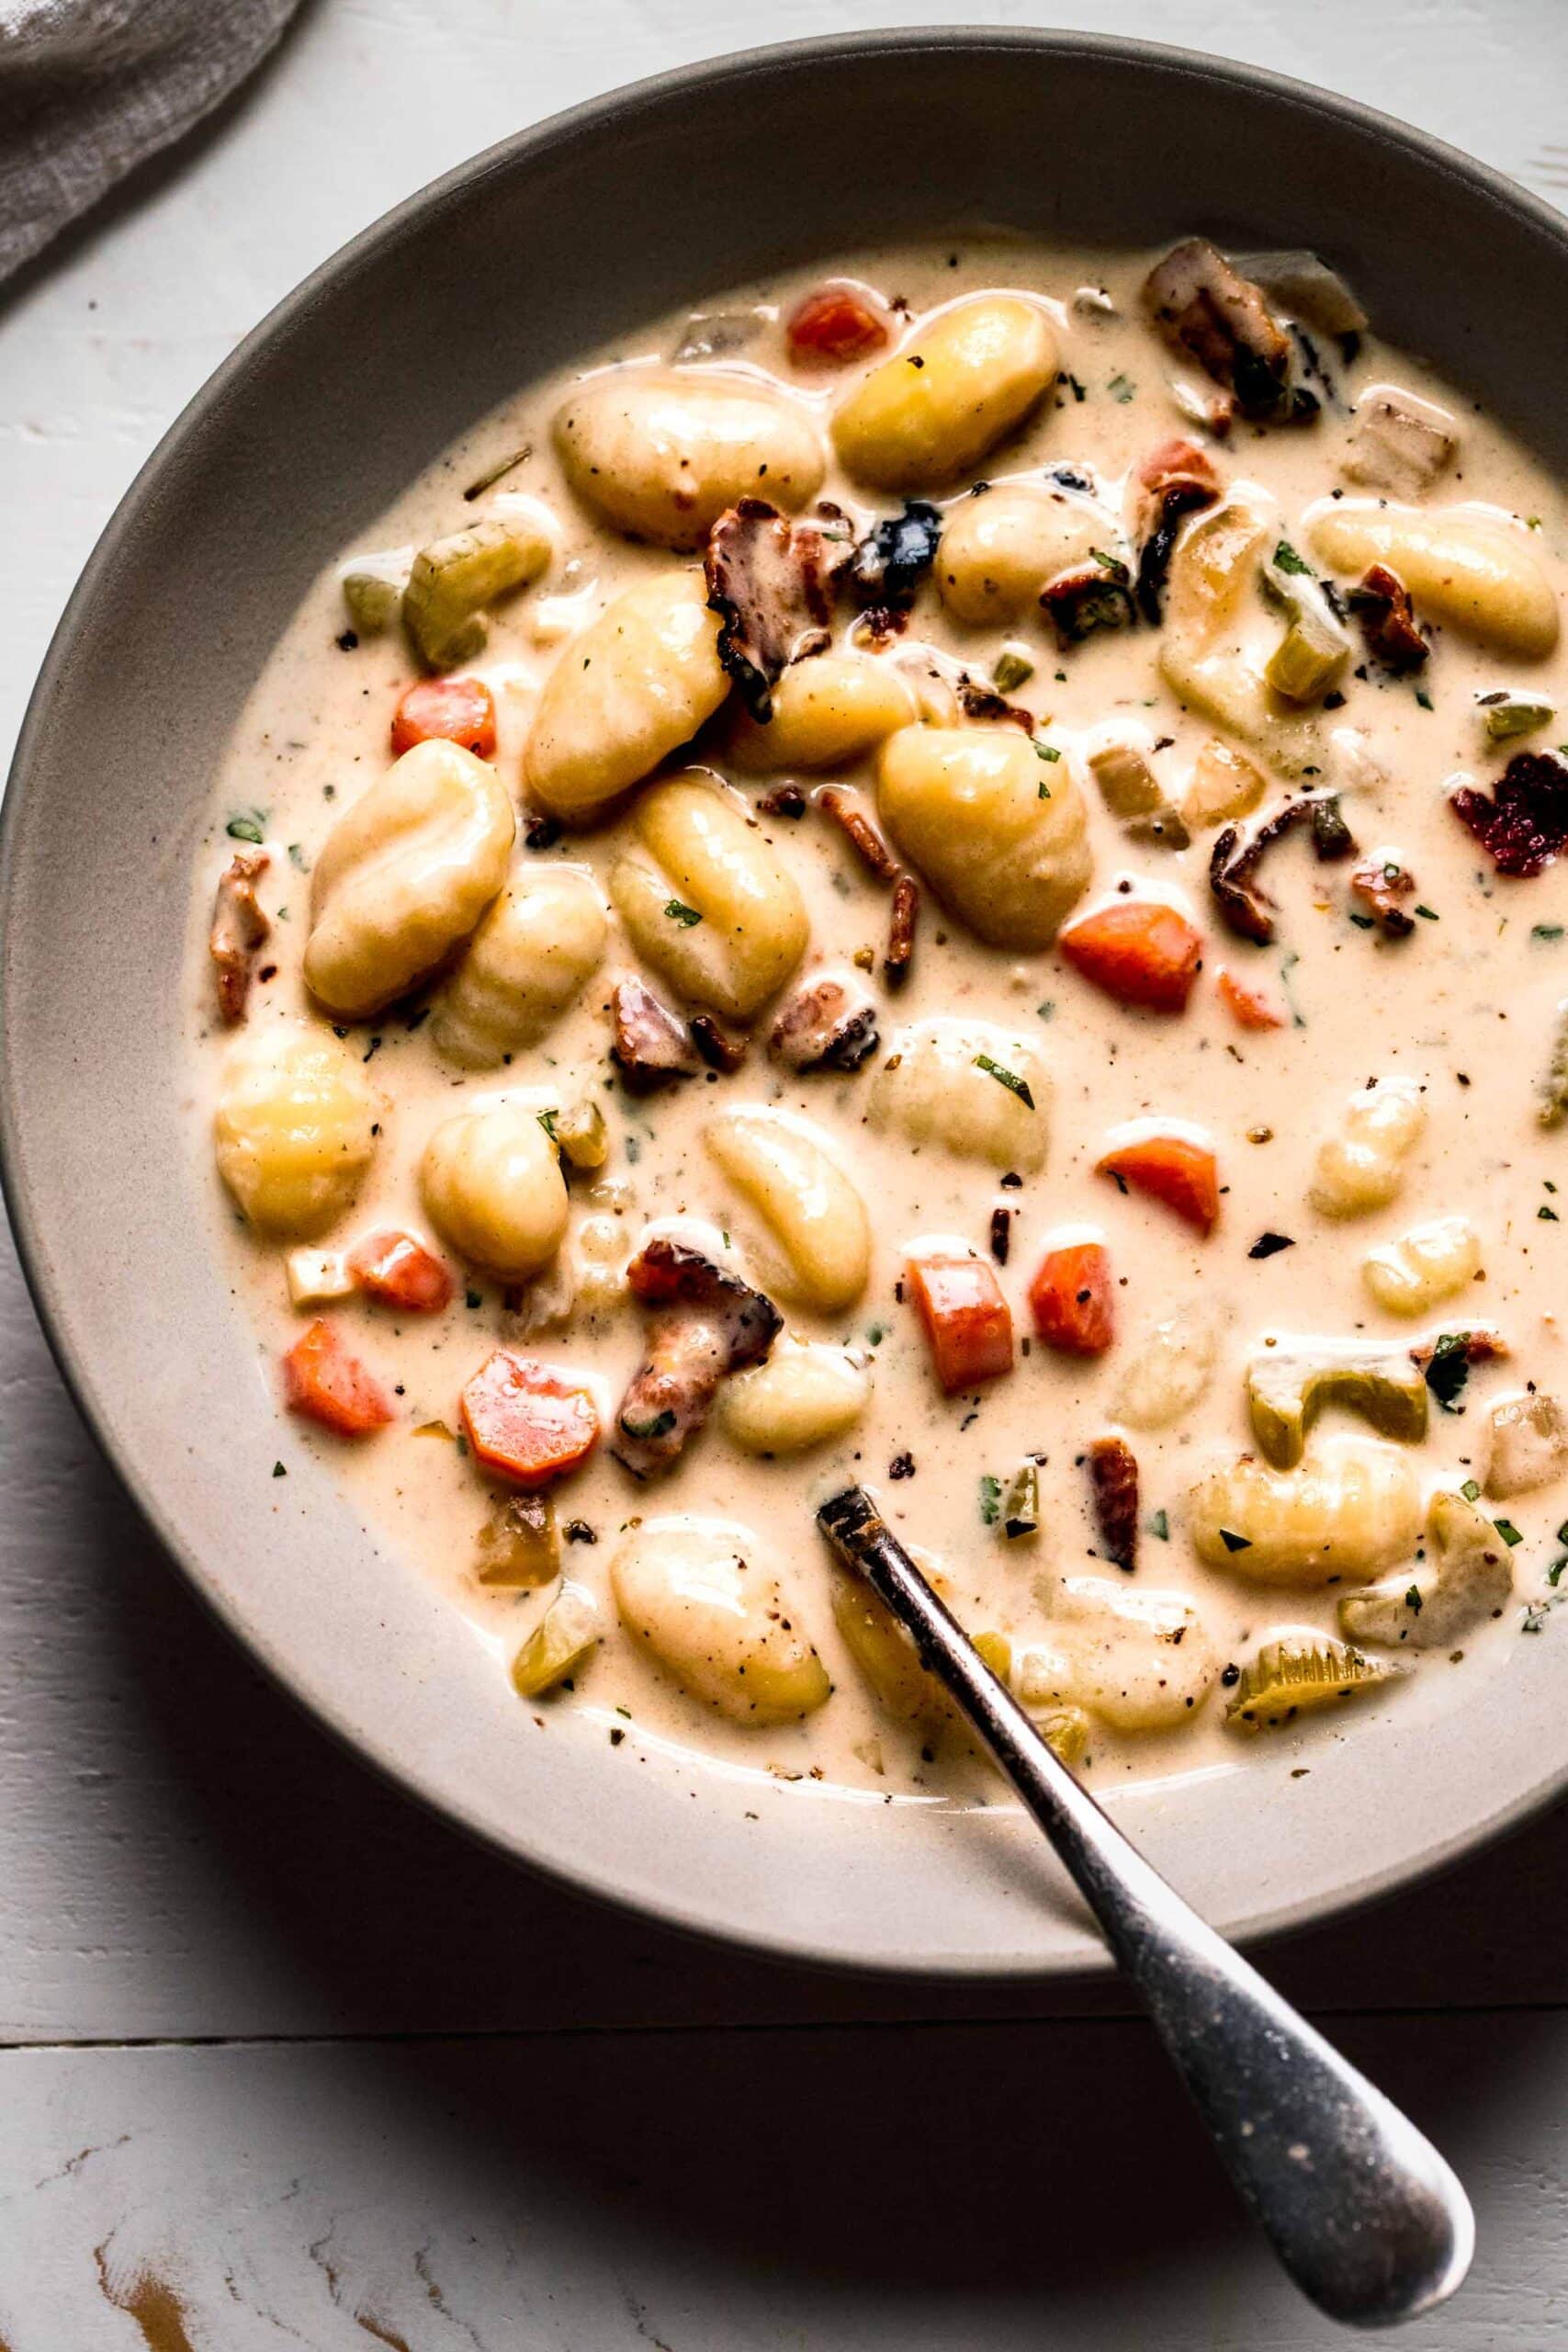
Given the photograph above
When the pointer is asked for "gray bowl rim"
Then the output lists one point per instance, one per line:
(732, 69)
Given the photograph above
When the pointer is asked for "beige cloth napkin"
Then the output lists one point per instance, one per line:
(89, 88)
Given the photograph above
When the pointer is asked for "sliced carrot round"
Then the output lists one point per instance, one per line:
(1139, 951)
(400, 1271)
(526, 1422)
(1070, 1299)
(452, 710)
(323, 1383)
(837, 323)
(1172, 1169)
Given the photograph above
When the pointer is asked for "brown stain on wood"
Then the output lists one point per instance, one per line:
(149, 2300)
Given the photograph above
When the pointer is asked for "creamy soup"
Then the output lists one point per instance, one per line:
(939, 879)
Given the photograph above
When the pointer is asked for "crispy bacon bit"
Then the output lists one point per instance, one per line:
(1233, 864)
(845, 810)
(1176, 479)
(239, 928)
(1113, 1472)
(984, 702)
(1224, 320)
(901, 931)
(784, 800)
(1524, 824)
(1001, 1233)
(720, 1047)
(540, 831)
(839, 322)
(1381, 602)
(651, 1045)
(712, 1323)
(1088, 596)
(771, 580)
(894, 558)
(1380, 887)
(828, 1025)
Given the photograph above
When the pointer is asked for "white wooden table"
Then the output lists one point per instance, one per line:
(281, 2059)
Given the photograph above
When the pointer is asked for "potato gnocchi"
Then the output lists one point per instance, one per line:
(865, 889)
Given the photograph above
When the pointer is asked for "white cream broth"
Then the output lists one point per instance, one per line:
(1464, 1007)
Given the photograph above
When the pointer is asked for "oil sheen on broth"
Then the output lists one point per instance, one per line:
(1147, 616)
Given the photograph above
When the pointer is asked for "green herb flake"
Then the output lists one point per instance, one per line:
(1508, 1532)
(472, 1298)
(678, 911)
(991, 1500)
(1362, 922)
(634, 1150)
(1546, 930)
(1472, 1494)
(1008, 1077)
(876, 1334)
(1235, 1542)
(297, 857)
(1548, 1216)
(1122, 389)
(1412, 1600)
(1449, 1369)
(1286, 559)
(1011, 671)
(278, 1471)
(1047, 1011)
(1428, 914)
(1554, 1573)
(547, 1121)
(1046, 751)
(247, 827)
(1424, 698)
(1159, 1526)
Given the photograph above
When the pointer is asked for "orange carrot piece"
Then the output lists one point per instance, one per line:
(1070, 1299)
(968, 1323)
(1139, 951)
(453, 711)
(322, 1382)
(525, 1422)
(1171, 1169)
(401, 1272)
(1250, 1008)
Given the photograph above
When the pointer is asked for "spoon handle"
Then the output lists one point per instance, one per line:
(1361, 2210)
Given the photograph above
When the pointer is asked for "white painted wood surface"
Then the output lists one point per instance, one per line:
(575, 2132)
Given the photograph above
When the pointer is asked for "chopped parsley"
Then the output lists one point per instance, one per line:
(1472, 1492)
(1008, 1077)
(991, 1500)
(1449, 1369)
(1268, 1245)
(1424, 698)
(473, 1298)
(1159, 1525)
(1047, 1011)
(1286, 559)
(1546, 930)
(278, 1471)
(1412, 1600)
(1235, 1542)
(1508, 1532)
(297, 857)
(547, 1121)
(1122, 389)
(678, 911)
(247, 827)
(1428, 914)
(1012, 670)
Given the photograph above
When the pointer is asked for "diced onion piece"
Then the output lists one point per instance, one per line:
(563, 1637)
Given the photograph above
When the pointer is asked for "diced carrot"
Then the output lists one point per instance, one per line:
(967, 1321)
(838, 322)
(527, 1423)
(1250, 1008)
(323, 1383)
(396, 1269)
(1171, 1169)
(1139, 951)
(456, 710)
(1070, 1299)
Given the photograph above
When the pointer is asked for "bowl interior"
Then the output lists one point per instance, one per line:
(541, 249)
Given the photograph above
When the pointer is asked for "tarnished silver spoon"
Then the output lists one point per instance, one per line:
(1362, 2211)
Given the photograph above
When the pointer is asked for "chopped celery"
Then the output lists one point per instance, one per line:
(1133, 794)
(1065, 1730)
(518, 1543)
(1553, 1106)
(453, 579)
(582, 1135)
(563, 1637)
(1504, 714)
(1013, 669)
(1315, 647)
(996, 1650)
(1292, 1677)
(373, 588)
(1019, 1514)
(1288, 1386)
(317, 1275)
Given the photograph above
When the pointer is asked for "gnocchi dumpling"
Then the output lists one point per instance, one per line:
(977, 1089)
(933, 410)
(635, 684)
(806, 1393)
(527, 965)
(708, 903)
(1466, 1577)
(829, 709)
(999, 832)
(816, 1247)
(1425, 1266)
(1475, 571)
(1343, 1516)
(884, 1654)
(997, 551)
(1141, 1661)
(405, 876)
(705, 1597)
(1217, 640)
(1362, 1166)
(295, 1129)
(661, 454)
(492, 1187)
(1526, 1444)
(1167, 1372)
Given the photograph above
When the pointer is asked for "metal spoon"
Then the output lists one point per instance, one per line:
(1363, 2212)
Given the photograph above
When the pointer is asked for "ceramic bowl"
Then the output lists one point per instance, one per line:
(577, 230)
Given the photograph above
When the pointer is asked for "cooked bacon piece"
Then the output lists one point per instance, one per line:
(651, 1045)
(239, 928)
(901, 931)
(720, 1047)
(771, 580)
(1234, 862)
(322, 1382)
(525, 1422)
(453, 711)
(845, 810)
(1248, 1008)
(984, 702)
(1381, 602)
(1224, 320)
(1089, 597)
(1380, 888)
(840, 321)
(1524, 825)
(1176, 479)
(893, 558)
(1113, 1472)
(784, 800)
(829, 1024)
(712, 1323)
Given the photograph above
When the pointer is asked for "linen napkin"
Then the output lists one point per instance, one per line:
(90, 88)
